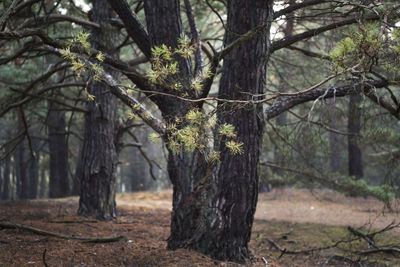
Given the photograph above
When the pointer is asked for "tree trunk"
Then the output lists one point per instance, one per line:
(21, 175)
(354, 127)
(185, 169)
(6, 179)
(58, 184)
(243, 75)
(282, 118)
(334, 161)
(97, 174)
(43, 183)
(1, 179)
(214, 214)
(34, 170)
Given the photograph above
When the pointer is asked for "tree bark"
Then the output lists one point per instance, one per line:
(354, 127)
(243, 75)
(214, 214)
(213, 206)
(58, 184)
(97, 174)
(185, 169)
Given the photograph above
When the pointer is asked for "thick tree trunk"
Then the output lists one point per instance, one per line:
(214, 214)
(354, 127)
(97, 174)
(185, 169)
(58, 185)
(6, 179)
(243, 75)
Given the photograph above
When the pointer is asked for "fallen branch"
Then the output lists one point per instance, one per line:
(46, 233)
(44, 258)
(71, 221)
(367, 238)
(377, 250)
(306, 251)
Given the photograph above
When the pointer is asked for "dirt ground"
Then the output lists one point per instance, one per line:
(293, 219)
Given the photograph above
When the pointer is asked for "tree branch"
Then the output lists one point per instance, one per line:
(7, 13)
(133, 26)
(57, 18)
(38, 231)
(285, 42)
(288, 102)
(199, 62)
(298, 6)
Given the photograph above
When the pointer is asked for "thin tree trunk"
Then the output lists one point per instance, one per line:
(6, 179)
(21, 174)
(58, 184)
(1, 179)
(334, 161)
(282, 118)
(97, 172)
(43, 183)
(354, 127)
(34, 170)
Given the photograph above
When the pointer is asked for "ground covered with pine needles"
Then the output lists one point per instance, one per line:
(292, 228)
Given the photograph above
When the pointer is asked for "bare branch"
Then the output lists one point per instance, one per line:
(38, 231)
(287, 103)
(285, 42)
(298, 6)
(199, 62)
(133, 26)
(7, 13)
(57, 18)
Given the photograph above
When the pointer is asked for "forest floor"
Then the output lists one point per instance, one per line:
(287, 219)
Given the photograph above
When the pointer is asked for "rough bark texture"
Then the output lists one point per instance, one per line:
(97, 174)
(354, 127)
(214, 214)
(167, 14)
(185, 169)
(213, 206)
(244, 74)
(58, 184)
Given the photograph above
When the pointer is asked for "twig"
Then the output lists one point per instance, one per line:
(46, 233)
(265, 261)
(7, 13)
(306, 251)
(70, 221)
(367, 238)
(377, 250)
(44, 258)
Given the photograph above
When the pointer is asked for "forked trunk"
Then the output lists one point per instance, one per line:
(214, 214)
